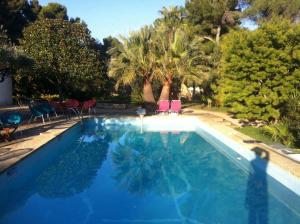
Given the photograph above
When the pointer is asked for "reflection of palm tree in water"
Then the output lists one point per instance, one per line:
(140, 158)
(150, 163)
(257, 195)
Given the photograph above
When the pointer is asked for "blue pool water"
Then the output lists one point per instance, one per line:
(97, 173)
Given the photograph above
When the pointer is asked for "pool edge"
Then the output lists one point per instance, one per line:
(44, 138)
(279, 173)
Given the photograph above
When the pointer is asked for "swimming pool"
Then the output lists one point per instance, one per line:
(115, 171)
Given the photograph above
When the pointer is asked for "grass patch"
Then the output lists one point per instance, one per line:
(256, 133)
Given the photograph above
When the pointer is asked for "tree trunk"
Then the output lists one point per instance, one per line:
(148, 93)
(165, 92)
(194, 89)
(218, 35)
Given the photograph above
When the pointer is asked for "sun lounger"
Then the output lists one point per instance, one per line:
(175, 106)
(163, 107)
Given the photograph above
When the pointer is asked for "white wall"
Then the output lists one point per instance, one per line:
(6, 91)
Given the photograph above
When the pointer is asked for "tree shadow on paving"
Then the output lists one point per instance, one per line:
(10, 154)
(27, 132)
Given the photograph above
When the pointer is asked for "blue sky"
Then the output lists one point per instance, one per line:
(114, 17)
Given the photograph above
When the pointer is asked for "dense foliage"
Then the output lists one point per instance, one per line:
(259, 70)
(65, 60)
(212, 18)
(53, 11)
(292, 113)
(16, 14)
(10, 57)
(287, 130)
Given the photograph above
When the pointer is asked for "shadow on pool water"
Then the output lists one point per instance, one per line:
(257, 189)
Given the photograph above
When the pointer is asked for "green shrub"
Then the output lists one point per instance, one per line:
(257, 133)
(281, 132)
(259, 69)
(292, 112)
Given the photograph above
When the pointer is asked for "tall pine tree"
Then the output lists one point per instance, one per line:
(262, 10)
(212, 18)
(16, 14)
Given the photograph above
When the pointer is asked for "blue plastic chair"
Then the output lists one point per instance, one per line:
(40, 109)
(46, 108)
(10, 120)
(36, 112)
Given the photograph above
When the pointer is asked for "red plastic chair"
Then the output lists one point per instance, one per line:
(72, 105)
(93, 105)
(163, 107)
(86, 106)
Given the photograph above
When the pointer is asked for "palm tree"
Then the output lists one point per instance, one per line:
(165, 47)
(178, 53)
(132, 62)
